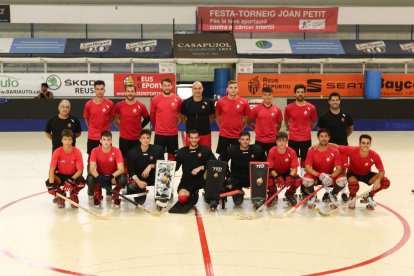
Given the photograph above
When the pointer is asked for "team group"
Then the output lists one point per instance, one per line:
(330, 162)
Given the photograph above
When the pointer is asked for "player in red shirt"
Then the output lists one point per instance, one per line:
(361, 159)
(106, 168)
(323, 166)
(266, 119)
(231, 117)
(283, 164)
(300, 118)
(65, 172)
(164, 114)
(128, 114)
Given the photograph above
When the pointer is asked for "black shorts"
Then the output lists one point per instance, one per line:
(167, 142)
(362, 178)
(239, 182)
(63, 177)
(192, 185)
(224, 142)
(301, 148)
(91, 145)
(265, 146)
(125, 145)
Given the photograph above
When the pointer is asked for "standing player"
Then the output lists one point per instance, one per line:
(197, 112)
(164, 114)
(340, 125)
(128, 114)
(283, 164)
(106, 168)
(141, 161)
(240, 155)
(65, 172)
(266, 119)
(300, 118)
(361, 159)
(323, 166)
(193, 158)
(231, 117)
(58, 123)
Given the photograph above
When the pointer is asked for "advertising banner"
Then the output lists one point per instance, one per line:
(316, 47)
(378, 47)
(321, 85)
(263, 46)
(5, 45)
(121, 47)
(218, 45)
(267, 19)
(4, 13)
(62, 85)
(147, 85)
(38, 46)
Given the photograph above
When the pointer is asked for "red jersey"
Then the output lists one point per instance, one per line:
(164, 114)
(282, 162)
(361, 165)
(299, 118)
(106, 163)
(323, 162)
(231, 114)
(67, 163)
(99, 116)
(266, 121)
(130, 118)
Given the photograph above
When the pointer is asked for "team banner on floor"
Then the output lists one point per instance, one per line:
(218, 45)
(62, 85)
(267, 19)
(321, 85)
(147, 85)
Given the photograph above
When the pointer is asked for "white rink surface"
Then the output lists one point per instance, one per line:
(36, 236)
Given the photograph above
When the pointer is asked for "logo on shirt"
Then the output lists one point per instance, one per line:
(328, 159)
(366, 164)
(203, 107)
(199, 155)
(151, 157)
(343, 120)
(134, 110)
(252, 156)
(111, 159)
(272, 114)
(286, 160)
(305, 113)
(238, 106)
(104, 110)
(172, 104)
(69, 125)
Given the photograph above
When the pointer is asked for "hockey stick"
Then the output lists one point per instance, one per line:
(258, 210)
(80, 206)
(142, 207)
(300, 203)
(335, 210)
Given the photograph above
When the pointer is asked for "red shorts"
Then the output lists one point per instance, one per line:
(205, 140)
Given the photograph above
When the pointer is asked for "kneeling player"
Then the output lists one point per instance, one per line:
(361, 159)
(240, 156)
(323, 166)
(193, 159)
(141, 161)
(283, 163)
(65, 172)
(106, 168)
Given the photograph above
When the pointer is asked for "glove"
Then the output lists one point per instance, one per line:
(68, 185)
(280, 182)
(326, 179)
(51, 187)
(289, 181)
(104, 180)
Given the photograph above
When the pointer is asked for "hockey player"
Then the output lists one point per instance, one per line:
(106, 168)
(323, 167)
(361, 159)
(141, 161)
(240, 155)
(193, 160)
(65, 172)
(283, 163)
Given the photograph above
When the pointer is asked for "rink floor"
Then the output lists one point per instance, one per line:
(37, 238)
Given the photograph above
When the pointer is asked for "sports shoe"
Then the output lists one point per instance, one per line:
(370, 201)
(140, 199)
(326, 197)
(333, 200)
(74, 198)
(344, 197)
(291, 201)
(61, 203)
(97, 203)
(55, 200)
(351, 204)
(312, 202)
(274, 200)
(161, 202)
(117, 203)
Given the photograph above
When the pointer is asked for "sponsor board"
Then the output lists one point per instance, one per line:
(263, 46)
(267, 19)
(62, 85)
(206, 45)
(321, 85)
(147, 85)
(5, 45)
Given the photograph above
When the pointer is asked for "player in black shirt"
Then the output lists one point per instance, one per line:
(193, 159)
(241, 156)
(63, 120)
(141, 161)
(197, 112)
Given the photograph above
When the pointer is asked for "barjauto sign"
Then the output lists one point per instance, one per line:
(204, 46)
